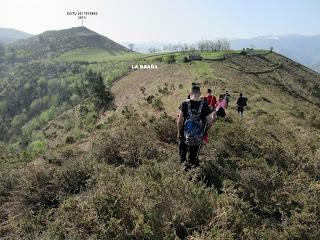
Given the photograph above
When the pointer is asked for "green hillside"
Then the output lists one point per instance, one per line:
(54, 43)
(35, 86)
(89, 148)
(96, 55)
(9, 35)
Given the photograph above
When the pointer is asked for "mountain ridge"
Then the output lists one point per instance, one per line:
(302, 48)
(53, 43)
(115, 173)
(9, 35)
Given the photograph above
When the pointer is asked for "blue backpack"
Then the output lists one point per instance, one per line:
(193, 127)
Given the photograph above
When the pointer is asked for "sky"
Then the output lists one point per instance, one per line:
(167, 21)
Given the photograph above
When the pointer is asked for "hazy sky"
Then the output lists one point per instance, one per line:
(167, 20)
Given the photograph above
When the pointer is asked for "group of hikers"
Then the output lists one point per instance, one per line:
(196, 116)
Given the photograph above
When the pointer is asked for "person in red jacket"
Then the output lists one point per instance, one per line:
(211, 99)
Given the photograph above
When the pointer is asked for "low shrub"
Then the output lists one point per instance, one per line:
(155, 202)
(165, 128)
(149, 99)
(74, 175)
(185, 59)
(38, 188)
(158, 59)
(170, 59)
(128, 145)
(70, 139)
(37, 146)
(157, 104)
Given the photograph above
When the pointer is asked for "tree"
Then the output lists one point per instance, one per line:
(201, 45)
(131, 46)
(152, 50)
(212, 46)
(98, 88)
(38, 105)
(170, 59)
(224, 44)
(165, 48)
(192, 47)
(19, 120)
(186, 47)
(12, 55)
(3, 107)
(2, 52)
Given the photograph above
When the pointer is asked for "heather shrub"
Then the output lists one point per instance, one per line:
(129, 145)
(165, 128)
(170, 59)
(153, 202)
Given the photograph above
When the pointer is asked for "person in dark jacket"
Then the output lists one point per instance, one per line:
(196, 104)
(227, 97)
(241, 102)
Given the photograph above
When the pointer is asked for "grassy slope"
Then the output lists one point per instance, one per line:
(102, 55)
(270, 105)
(54, 43)
(96, 55)
(274, 112)
(263, 93)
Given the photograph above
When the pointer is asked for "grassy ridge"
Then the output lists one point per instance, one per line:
(117, 175)
(96, 55)
(103, 55)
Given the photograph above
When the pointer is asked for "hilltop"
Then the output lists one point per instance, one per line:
(114, 172)
(54, 43)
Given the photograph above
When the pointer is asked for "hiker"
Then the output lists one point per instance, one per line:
(193, 122)
(241, 102)
(221, 106)
(227, 96)
(211, 99)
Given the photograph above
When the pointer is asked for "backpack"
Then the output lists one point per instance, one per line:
(193, 127)
(244, 102)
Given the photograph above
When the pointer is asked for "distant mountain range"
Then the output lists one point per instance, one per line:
(304, 49)
(9, 35)
(144, 47)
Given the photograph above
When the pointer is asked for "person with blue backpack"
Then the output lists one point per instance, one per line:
(193, 122)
